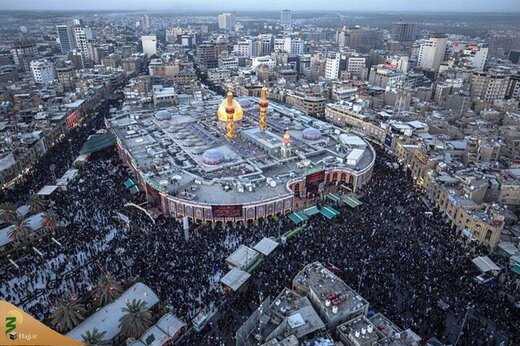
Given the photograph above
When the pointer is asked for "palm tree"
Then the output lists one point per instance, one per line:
(8, 212)
(93, 337)
(136, 320)
(107, 289)
(21, 232)
(37, 204)
(68, 314)
(49, 221)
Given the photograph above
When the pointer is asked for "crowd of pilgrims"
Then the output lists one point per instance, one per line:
(398, 258)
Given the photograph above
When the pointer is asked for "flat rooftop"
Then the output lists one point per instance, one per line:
(183, 150)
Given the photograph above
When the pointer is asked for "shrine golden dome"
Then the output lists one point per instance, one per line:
(238, 112)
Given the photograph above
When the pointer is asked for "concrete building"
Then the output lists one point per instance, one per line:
(243, 47)
(66, 37)
(404, 32)
(285, 17)
(332, 298)
(23, 53)
(82, 35)
(312, 105)
(332, 66)
(42, 71)
(207, 55)
(431, 53)
(227, 21)
(149, 43)
(490, 86)
(218, 74)
(145, 22)
(163, 95)
(65, 76)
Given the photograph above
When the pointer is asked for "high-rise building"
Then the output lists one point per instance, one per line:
(23, 53)
(226, 21)
(404, 32)
(207, 55)
(66, 38)
(82, 35)
(431, 53)
(42, 71)
(285, 17)
(149, 43)
(145, 23)
(332, 66)
(297, 46)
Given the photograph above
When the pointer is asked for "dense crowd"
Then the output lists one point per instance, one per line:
(401, 260)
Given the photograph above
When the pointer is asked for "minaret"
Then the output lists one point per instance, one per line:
(263, 109)
(285, 149)
(230, 111)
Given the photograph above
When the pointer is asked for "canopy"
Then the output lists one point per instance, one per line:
(298, 217)
(266, 246)
(47, 190)
(329, 212)
(352, 202)
(98, 142)
(134, 189)
(235, 278)
(485, 264)
(311, 211)
(333, 197)
(129, 183)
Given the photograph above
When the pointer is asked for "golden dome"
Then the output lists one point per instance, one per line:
(238, 113)
(286, 139)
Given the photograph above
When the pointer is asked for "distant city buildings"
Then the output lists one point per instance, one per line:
(227, 21)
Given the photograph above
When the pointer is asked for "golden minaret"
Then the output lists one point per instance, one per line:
(263, 109)
(230, 111)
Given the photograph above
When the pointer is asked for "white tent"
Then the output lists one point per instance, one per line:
(107, 318)
(266, 246)
(242, 258)
(485, 264)
(47, 190)
(167, 328)
(235, 278)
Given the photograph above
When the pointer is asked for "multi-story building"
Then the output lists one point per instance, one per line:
(227, 21)
(431, 53)
(149, 43)
(330, 296)
(285, 17)
(312, 105)
(65, 76)
(332, 66)
(228, 62)
(42, 71)
(404, 32)
(66, 37)
(23, 53)
(356, 65)
(145, 23)
(243, 47)
(218, 74)
(207, 55)
(82, 36)
(491, 85)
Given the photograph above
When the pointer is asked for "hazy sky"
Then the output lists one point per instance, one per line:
(214, 5)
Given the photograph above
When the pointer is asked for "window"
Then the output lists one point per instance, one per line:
(488, 234)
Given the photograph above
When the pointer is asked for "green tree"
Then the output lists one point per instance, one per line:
(37, 204)
(136, 320)
(68, 314)
(107, 289)
(21, 232)
(8, 212)
(93, 337)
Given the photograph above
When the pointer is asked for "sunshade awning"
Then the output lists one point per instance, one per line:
(329, 212)
(333, 197)
(311, 211)
(298, 217)
(485, 264)
(134, 189)
(352, 202)
(129, 183)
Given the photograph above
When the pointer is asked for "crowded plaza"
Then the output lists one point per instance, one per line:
(395, 250)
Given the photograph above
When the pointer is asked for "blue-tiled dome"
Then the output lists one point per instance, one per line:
(163, 115)
(213, 157)
(311, 134)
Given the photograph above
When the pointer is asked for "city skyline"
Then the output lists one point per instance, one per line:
(476, 6)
